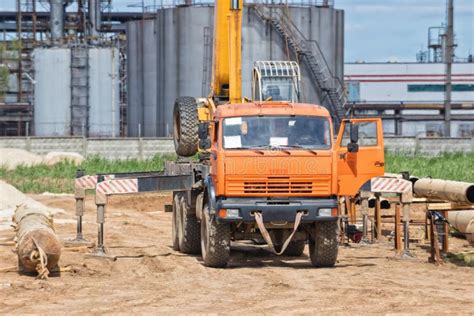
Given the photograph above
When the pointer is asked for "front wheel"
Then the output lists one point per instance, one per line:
(323, 244)
(215, 241)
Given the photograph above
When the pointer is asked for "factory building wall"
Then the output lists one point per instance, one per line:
(168, 57)
(416, 83)
(409, 82)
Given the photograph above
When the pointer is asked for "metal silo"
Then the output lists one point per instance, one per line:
(104, 97)
(181, 63)
(77, 91)
(52, 112)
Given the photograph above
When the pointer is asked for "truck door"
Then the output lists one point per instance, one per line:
(360, 154)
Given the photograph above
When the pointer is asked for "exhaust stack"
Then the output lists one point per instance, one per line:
(57, 20)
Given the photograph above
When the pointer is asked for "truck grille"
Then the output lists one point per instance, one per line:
(278, 185)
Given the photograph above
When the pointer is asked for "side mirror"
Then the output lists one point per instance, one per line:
(352, 147)
(354, 133)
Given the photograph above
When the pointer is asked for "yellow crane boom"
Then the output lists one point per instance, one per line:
(227, 66)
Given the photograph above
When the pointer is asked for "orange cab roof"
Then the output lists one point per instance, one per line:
(270, 108)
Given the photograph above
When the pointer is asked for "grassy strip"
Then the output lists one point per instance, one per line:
(448, 166)
(60, 177)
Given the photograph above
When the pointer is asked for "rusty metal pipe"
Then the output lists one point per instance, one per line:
(453, 191)
(36, 239)
(464, 222)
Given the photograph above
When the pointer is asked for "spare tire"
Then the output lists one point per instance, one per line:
(186, 122)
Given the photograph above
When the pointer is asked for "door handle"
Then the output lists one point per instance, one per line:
(379, 164)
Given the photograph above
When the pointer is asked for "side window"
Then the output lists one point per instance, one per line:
(367, 134)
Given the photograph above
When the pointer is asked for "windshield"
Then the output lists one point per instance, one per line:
(307, 132)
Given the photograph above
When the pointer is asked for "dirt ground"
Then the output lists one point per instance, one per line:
(148, 276)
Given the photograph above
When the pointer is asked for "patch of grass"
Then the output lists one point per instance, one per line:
(464, 258)
(447, 166)
(59, 178)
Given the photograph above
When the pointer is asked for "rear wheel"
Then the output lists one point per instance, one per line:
(175, 224)
(215, 241)
(323, 244)
(189, 233)
(295, 248)
(185, 130)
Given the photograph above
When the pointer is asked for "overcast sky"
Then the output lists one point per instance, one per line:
(381, 30)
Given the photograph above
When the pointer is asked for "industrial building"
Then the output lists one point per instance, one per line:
(410, 96)
(81, 70)
(75, 68)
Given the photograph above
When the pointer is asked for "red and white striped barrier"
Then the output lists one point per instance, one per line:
(115, 186)
(89, 182)
(390, 185)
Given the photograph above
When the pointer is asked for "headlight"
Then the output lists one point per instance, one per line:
(325, 212)
(229, 213)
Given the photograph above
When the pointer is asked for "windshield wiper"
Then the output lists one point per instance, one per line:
(251, 148)
(271, 147)
(314, 152)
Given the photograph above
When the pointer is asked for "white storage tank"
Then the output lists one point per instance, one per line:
(52, 97)
(76, 91)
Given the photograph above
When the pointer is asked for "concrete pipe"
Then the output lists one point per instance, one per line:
(453, 191)
(37, 245)
(464, 222)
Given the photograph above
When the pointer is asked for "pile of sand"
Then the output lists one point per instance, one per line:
(56, 157)
(10, 198)
(11, 158)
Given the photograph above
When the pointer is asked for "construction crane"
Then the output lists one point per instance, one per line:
(266, 168)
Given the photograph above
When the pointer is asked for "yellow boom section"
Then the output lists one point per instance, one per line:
(227, 69)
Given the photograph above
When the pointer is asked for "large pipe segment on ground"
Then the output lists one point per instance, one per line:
(452, 191)
(37, 244)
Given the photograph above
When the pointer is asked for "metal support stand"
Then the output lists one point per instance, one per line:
(100, 248)
(365, 220)
(378, 217)
(80, 196)
(435, 253)
(406, 231)
(398, 238)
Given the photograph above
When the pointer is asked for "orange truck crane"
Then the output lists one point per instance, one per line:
(269, 167)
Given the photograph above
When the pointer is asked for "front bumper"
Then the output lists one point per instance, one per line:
(276, 210)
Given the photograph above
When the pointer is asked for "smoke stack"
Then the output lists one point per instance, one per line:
(94, 17)
(57, 20)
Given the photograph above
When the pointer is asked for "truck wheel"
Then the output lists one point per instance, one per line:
(323, 245)
(185, 131)
(175, 225)
(189, 229)
(295, 248)
(215, 241)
